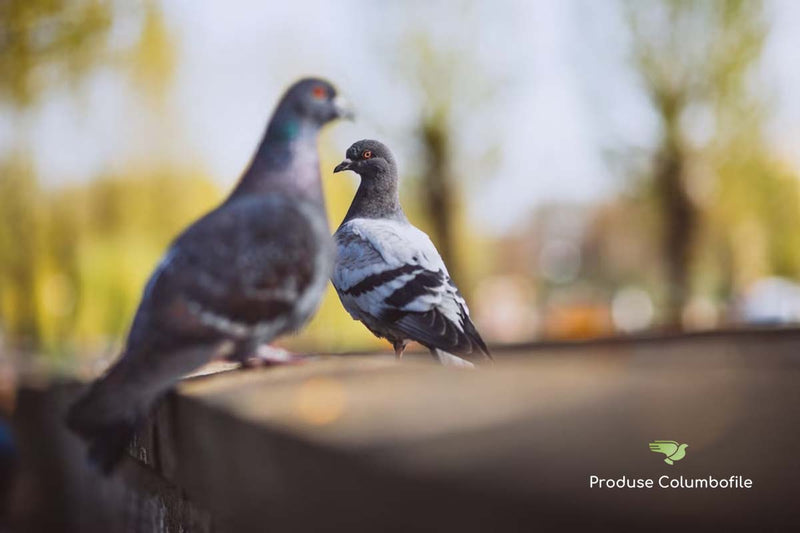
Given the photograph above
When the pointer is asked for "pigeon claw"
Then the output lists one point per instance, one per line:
(266, 355)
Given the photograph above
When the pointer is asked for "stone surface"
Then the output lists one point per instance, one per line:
(367, 444)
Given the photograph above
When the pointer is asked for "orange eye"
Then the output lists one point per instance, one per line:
(319, 92)
(366, 154)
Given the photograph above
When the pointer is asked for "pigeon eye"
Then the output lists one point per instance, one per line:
(366, 154)
(319, 92)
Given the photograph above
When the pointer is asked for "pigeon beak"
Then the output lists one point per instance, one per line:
(343, 108)
(344, 165)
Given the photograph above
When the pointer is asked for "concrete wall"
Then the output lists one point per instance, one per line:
(365, 444)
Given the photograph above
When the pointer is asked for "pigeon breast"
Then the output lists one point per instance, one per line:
(253, 268)
(389, 275)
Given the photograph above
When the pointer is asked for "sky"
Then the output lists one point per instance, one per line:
(562, 94)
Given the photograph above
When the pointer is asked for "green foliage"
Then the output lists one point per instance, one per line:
(75, 260)
(735, 205)
(20, 251)
(153, 59)
(44, 41)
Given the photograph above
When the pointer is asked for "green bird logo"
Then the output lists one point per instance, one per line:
(670, 448)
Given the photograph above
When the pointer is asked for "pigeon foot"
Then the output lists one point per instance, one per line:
(399, 348)
(266, 355)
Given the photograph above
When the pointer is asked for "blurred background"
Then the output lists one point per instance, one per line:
(586, 168)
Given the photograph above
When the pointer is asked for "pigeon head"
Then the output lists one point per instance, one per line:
(369, 159)
(377, 195)
(309, 102)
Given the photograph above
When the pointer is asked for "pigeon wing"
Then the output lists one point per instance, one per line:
(389, 272)
(245, 265)
(667, 447)
(256, 267)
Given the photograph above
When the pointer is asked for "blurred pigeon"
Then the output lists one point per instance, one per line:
(388, 273)
(252, 269)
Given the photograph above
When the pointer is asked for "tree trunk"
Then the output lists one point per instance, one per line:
(437, 188)
(679, 217)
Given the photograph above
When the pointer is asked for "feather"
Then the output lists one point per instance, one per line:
(389, 275)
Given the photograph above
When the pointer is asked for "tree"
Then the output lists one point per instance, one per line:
(47, 40)
(455, 92)
(694, 60)
(19, 251)
(47, 46)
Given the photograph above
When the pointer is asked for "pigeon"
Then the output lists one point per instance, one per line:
(388, 273)
(250, 270)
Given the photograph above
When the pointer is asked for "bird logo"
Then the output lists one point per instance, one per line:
(670, 448)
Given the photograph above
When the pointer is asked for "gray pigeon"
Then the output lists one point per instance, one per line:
(388, 273)
(250, 270)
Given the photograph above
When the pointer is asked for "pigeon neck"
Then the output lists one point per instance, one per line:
(286, 162)
(377, 197)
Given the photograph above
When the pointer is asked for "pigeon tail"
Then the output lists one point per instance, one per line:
(117, 404)
(107, 418)
(107, 443)
(472, 332)
(448, 359)
(669, 461)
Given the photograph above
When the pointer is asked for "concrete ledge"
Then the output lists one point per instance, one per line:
(367, 444)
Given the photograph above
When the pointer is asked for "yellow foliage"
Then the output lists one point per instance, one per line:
(94, 247)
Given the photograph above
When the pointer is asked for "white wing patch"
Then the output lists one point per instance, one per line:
(370, 244)
(386, 265)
